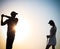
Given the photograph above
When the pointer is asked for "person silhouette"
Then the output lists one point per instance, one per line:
(52, 36)
(11, 23)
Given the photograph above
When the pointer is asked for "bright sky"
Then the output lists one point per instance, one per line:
(33, 26)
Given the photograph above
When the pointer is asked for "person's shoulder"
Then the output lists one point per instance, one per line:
(16, 19)
(55, 28)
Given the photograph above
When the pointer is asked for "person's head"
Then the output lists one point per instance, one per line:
(13, 13)
(51, 22)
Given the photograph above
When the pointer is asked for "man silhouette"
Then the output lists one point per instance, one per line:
(11, 22)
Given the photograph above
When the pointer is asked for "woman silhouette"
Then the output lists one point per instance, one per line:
(52, 36)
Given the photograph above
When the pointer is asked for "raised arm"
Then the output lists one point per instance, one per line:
(7, 16)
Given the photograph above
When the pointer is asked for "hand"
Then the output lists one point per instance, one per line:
(47, 36)
(2, 15)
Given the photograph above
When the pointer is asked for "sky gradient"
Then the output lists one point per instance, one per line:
(37, 14)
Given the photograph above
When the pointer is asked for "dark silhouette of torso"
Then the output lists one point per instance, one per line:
(11, 31)
(11, 24)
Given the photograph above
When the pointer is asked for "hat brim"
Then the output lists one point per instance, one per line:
(16, 13)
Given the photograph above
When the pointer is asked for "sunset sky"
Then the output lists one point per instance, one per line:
(32, 26)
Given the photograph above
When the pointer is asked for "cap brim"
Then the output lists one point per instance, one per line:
(16, 13)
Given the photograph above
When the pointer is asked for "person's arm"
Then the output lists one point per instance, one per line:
(7, 16)
(48, 36)
(53, 33)
(3, 23)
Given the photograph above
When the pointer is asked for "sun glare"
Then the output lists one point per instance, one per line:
(22, 30)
